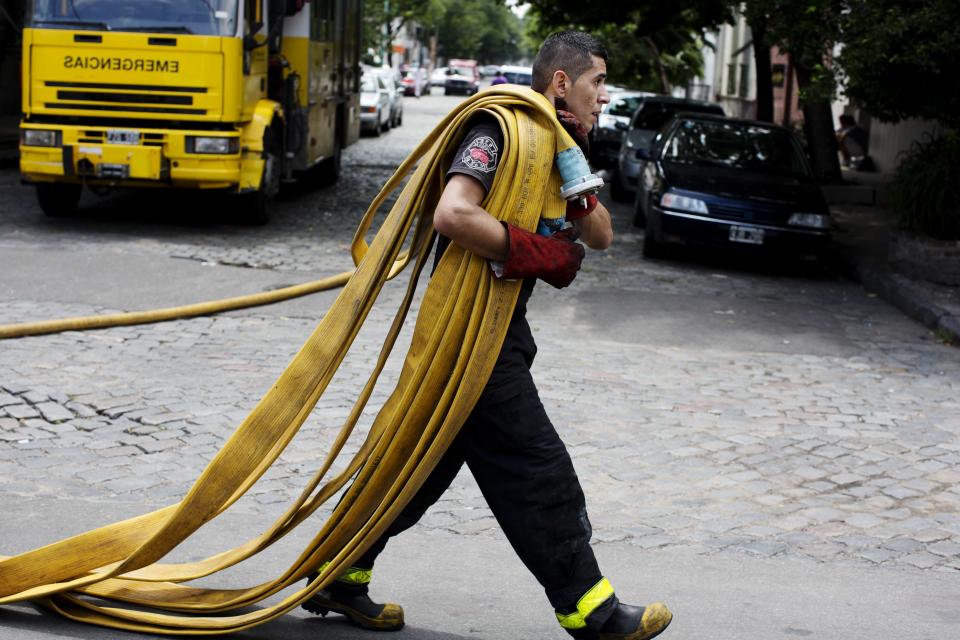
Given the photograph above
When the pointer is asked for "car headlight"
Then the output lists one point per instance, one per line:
(40, 138)
(683, 203)
(814, 220)
(215, 145)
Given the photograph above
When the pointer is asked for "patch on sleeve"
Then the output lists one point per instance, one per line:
(481, 154)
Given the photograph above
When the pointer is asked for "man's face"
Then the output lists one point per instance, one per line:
(588, 94)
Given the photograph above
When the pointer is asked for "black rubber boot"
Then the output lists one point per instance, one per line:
(636, 623)
(353, 602)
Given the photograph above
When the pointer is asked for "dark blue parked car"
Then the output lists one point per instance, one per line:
(720, 181)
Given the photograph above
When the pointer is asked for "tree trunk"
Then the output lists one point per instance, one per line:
(761, 57)
(818, 128)
(661, 71)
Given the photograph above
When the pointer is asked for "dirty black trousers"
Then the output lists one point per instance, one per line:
(525, 474)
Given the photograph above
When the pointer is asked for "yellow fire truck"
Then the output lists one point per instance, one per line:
(235, 95)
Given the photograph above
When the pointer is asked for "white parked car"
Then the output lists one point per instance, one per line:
(438, 77)
(374, 104)
(392, 80)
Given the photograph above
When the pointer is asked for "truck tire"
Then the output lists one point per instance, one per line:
(328, 171)
(59, 200)
(256, 205)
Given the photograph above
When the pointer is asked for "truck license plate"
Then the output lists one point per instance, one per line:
(123, 136)
(747, 235)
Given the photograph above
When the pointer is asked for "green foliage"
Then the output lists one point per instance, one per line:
(807, 30)
(900, 59)
(925, 191)
(643, 37)
(482, 29)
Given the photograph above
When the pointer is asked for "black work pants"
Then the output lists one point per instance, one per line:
(526, 476)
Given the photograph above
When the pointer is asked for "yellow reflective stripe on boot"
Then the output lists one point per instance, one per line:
(592, 599)
(353, 575)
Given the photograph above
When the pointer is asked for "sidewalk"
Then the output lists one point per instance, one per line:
(862, 228)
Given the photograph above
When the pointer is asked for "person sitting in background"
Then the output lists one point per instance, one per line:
(852, 139)
(499, 78)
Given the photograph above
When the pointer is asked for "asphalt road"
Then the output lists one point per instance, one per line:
(763, 445)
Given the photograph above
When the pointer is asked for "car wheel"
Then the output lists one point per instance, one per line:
(639, 217)
(377, 128)
(617, 192)
(59, 200)
(652, 247)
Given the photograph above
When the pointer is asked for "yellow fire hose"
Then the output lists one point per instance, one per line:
(457, 336)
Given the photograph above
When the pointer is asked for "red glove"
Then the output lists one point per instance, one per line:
(554, 259)
(576, 210)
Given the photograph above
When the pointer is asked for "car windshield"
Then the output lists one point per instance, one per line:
(624, 106)
(462, 71)
(654, 115)
(518, 77)
(206, 17)
(736, 145)
(368, 84)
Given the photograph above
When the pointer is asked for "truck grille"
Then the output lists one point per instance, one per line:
(96, 96)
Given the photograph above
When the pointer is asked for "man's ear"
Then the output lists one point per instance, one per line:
(560, 82)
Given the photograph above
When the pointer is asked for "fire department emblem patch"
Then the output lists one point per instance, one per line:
(481, 155)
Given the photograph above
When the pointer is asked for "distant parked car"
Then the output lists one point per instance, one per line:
(374, 104)
(462, 78)
(517, 75)
(607, 135)
(409, 81)
(720, 181)
(391, 79)
(488, 70)
(652, 113)
(438, 77)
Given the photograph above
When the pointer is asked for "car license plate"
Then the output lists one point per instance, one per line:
(123, 136)
(747, 235)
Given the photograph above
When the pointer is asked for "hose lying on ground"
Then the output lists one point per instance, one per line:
(456, 339)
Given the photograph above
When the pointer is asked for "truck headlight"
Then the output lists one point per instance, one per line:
(683, 203)
(216, 145)
(814, 220)
(40, 138)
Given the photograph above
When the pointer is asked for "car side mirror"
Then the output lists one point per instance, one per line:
(620, 126)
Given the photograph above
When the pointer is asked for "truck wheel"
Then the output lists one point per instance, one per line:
(59, 200)
(328, 171)
(256, 205)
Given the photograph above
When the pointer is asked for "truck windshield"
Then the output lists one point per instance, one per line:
(206, 17)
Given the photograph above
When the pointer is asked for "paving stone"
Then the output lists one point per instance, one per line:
(54, 412)
(921, 560)
(877, 555)
(863, 520)
(945, 548)
(763, 547)
(21, 411)
(903, 545)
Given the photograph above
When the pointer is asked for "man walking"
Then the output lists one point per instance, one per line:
(518, 460)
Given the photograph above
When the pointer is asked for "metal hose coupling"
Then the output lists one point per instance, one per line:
(578, 180)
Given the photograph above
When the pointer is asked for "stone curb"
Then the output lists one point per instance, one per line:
(903, 294)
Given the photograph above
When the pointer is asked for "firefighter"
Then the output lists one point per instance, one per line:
(518, 460)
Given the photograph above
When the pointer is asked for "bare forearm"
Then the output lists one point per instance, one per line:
(460, 218)
(596, 229)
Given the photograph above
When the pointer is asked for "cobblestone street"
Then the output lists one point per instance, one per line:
(725, 406)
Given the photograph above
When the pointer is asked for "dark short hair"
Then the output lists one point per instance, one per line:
(568, 51)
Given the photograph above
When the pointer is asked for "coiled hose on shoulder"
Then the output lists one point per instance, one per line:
(456, 338)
